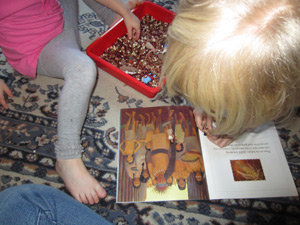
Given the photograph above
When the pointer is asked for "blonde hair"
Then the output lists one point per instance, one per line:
(237, 60)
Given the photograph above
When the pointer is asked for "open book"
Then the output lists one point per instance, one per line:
(163, 157)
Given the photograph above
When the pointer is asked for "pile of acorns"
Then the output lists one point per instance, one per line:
(142, 58)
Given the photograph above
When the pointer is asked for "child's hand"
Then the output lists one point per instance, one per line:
(4, 89)
(205, 124)
(220, 140)
(133, 26)
(132, 23)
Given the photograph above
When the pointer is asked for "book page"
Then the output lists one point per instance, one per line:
(253, 166)
(160, 156)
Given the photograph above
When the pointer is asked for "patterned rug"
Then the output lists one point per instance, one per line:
(28, 133)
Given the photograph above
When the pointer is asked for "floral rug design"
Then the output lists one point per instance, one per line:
(28, 134)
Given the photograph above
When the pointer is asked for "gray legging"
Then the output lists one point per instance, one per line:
(62, 58)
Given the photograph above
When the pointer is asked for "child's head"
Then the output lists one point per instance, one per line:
(238, 60)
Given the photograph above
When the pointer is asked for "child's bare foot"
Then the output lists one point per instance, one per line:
(81, 184)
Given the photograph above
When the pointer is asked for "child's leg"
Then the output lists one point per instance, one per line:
(62, 58)
(41, 204)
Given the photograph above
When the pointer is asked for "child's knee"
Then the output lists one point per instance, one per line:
(85, 71)
(90, 71)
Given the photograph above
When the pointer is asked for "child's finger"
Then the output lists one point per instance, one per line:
(136, 34)
(221, 141)
(8, 92)
(209, 124)
(133, 33)
(198, 121)
(129, 33)
(3, 102)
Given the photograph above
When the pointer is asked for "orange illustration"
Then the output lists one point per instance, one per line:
(247, 170)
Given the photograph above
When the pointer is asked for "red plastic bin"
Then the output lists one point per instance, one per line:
(106, 40)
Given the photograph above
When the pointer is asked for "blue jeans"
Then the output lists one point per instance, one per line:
(41, 204)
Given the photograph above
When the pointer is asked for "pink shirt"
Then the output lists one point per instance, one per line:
(26, 26)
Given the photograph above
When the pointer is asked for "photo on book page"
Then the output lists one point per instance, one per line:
(160, 158)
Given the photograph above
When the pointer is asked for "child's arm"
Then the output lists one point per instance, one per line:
(131, 21)
(4, 89)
